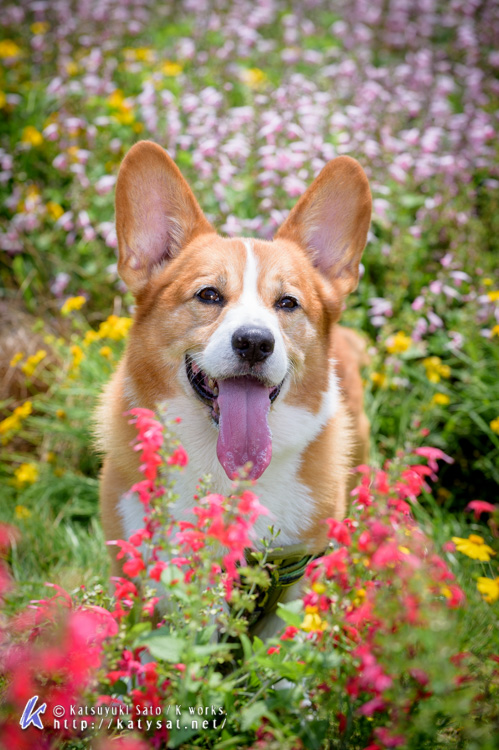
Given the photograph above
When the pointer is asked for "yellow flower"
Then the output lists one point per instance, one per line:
(441, 399)
(26, 474)
(312, 620)
(78, 356)
(489, 588)
(73, 303)
(60, 414)
(143, 54)
(51, 458)
(32, 362)
(254, 77)
(106, 352)
(125, 116)
(488, 282)
(72, 68)
(14, 421)
(16, 358)
(32, 136)
(3, 99)
(494, 425)
(115, 100)
(32, 193)
(9, 424)
(446, 592)
(361, 595)
(474, 547)
(72, 152)
(493, 296)
(169, 68)
(24, 410)
(378, 379)
(8, 49)
(435, 369)
(318, 587)
(398, 343)
(54, 210)
(22, 512)
(90, 337)
(138, 127)
(39, 27)
(115, 328)
(495, 330)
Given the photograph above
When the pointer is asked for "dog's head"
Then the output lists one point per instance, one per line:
(235, 323)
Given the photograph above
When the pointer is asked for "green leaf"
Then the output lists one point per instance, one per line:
(412, 200)
(179, 736)
(141, 628)
(315, 733)
(235, 741)
(206, 634)
(164, 647)
(251, 716)
(291, 612)
(211, 648)
(246, 644)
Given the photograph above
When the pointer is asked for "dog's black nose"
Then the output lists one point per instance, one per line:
(253, 344)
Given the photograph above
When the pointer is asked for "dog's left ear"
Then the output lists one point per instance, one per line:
(331, 220)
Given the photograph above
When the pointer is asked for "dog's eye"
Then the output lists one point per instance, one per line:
(209, 294)
(287, 303)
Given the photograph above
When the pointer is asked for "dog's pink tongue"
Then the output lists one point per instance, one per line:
(244, 431)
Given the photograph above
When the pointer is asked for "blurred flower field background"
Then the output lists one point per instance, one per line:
(252, 99)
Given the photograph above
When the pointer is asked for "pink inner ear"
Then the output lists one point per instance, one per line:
(156, 235)
(329, 235)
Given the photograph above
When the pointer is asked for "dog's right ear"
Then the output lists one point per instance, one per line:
(156, 213)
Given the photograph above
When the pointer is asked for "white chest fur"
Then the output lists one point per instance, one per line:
(289, 502)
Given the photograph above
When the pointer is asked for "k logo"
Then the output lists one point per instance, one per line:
(30, 716)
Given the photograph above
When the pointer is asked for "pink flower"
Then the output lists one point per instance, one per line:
(133, 567)
(389, 740)
(420, 676)
(433, 454)
(139, 537)
(289, 633)
(338, 531)
(179, 457)
(386, 555)
(250, 506)
(334, 562)
(457, 597)
(126, 548)
(156, 570)
(369, 708)
(8, 535)
(105, 184)
(123, 743)
(481, 506)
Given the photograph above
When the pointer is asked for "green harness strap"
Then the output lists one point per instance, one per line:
(284, 567)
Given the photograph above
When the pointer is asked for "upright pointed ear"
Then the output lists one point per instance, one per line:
(156, 213)
(331, 221)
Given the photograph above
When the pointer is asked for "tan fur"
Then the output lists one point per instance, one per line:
(164, 269)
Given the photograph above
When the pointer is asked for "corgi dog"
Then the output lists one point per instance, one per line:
(239, 338)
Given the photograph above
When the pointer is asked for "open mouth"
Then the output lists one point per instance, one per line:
(240, 406)
(207, 389)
